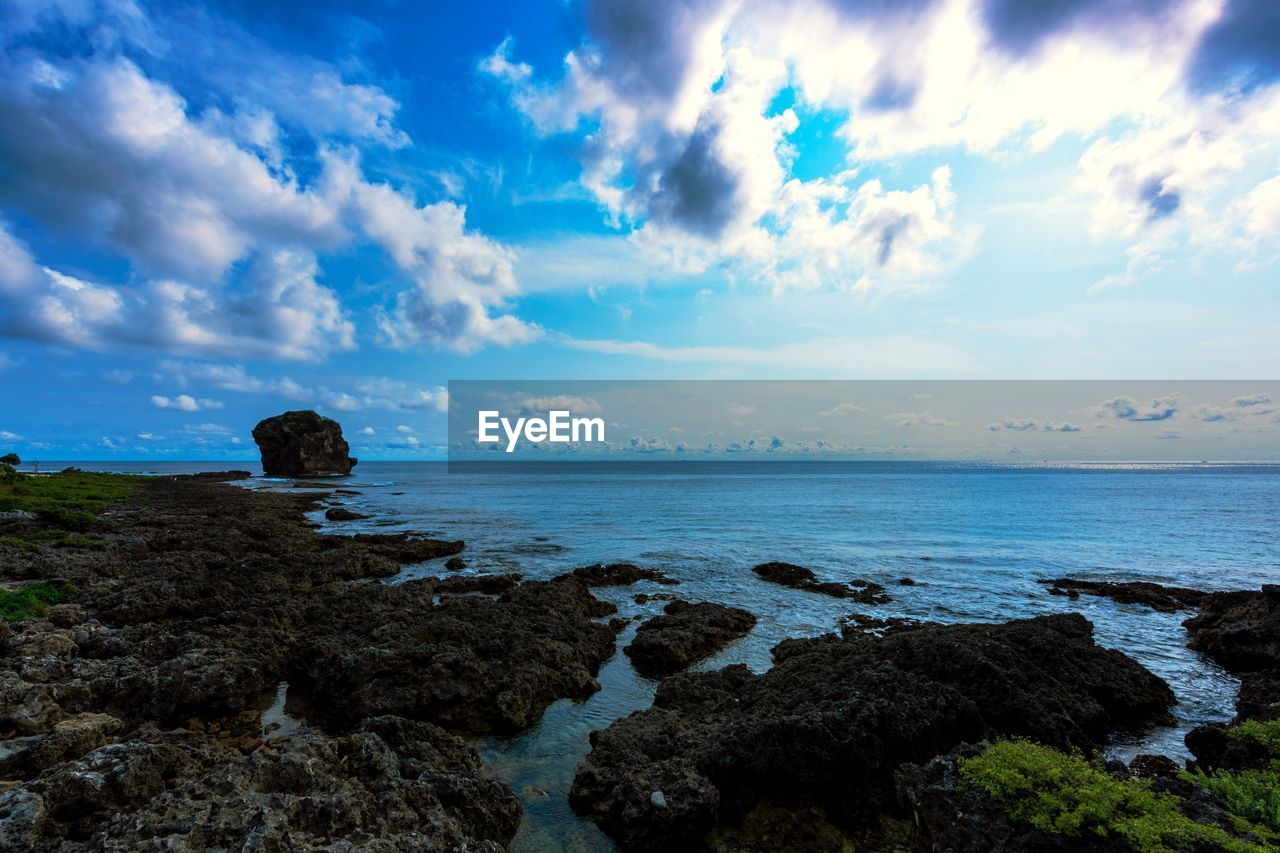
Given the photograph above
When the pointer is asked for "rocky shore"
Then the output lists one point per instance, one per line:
(217, 673)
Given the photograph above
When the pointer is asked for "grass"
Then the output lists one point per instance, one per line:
(1068, 795)
(31, 602)
(1266, 733)
(64, 506)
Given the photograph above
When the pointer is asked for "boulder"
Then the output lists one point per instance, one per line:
(685, 633)
(798, 577)
(1166, 599)
(835, 717)
(1241, 631)
(302, 444)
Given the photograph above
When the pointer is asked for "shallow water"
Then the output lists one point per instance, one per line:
(975, 538)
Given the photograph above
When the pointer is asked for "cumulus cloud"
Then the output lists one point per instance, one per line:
(184, 403)
(1128, 409)
(1245, 406)
(685, 144)
(845, 408)
(1032, 425)
(208, 204)
(918, 419)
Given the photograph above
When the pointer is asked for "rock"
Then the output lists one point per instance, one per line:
(1241, 631)
(833, 719)
(338, 513)
(490, 584)
(23, 815)
(66, 615)
(798, 577)
(481, 664)
(657, 800)
(1214, 748)
(222, 476)
(69, 738)
(302, 444)
(618, 574)
(455, 564)
(683, 634)
(906, 582)
(1166, 599)
(645, 598)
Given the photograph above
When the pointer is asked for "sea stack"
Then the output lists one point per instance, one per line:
(302, 444)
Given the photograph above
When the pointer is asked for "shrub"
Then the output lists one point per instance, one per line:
(1068, 795)
(1264, 732)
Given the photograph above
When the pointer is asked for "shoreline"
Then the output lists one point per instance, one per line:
(208, 597)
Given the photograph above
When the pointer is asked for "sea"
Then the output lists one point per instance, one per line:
(975, 538)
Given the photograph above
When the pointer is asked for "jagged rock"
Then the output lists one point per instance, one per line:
(455, 564)
(1166, 599)
(685, 633)
(338, 513)
(302, 444)
(798, 577)
(1241, 631)
(835, 716)
(618, 574)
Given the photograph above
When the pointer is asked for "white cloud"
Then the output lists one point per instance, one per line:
(5, 435)
(915, 419)
(209, 207)
(1033, 425)
(184, 403)
(845, 408)
(404, 428)
(1127, 409)
(368, 431)
(686, 147)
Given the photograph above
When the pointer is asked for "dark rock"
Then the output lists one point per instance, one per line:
(222, 476)
(490, 584)
(455, 564)
(338, 513)
(835, 716)
(618, 574)
(645, 597)
(683, 634)
(1241, 631)
(861, 623)
(1148, 766)
(393, 785)
(798, 577)
(1214, 748)
(906, 582)
(1166, 599)
(302, 444)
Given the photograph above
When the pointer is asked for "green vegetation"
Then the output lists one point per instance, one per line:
(63, 507)
(1253, 795)
(30, 602)
(1069, 795)
(1266, 733)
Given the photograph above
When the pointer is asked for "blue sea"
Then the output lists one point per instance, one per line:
(974, 537)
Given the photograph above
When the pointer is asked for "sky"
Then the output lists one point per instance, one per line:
(211, 213)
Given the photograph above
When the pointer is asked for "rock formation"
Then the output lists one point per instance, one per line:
(302, 444)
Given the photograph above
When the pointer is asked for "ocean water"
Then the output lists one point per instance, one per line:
(974, 537)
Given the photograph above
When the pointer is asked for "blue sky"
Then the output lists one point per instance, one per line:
(211, 213)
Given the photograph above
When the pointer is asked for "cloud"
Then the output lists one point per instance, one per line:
(208, 206)
(916, 419)
(539, 406)
(184, 403)
(120, 377)
(5, 435)
(1248, 405)
(689, 117)
(368, 431)
(1031, 424)
(739, 409)
(845, 408)
(1128, 409)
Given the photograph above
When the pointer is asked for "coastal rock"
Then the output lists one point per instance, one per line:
(833, 719)
(302, 444)
(1241, 631)
(618, 574)
(798, 577)
(479, 664)
(392, 785)
(685, 633)
(455, 564)
(1166, 599)
(338, 513)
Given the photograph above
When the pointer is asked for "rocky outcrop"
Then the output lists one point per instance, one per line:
(618, 574)
(392, 785)
(128, 702)
(339, 513)
(1166, 599)
(834, 718)
(302, 444)
(798, 577)
(683, 634)
(1241, 631)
